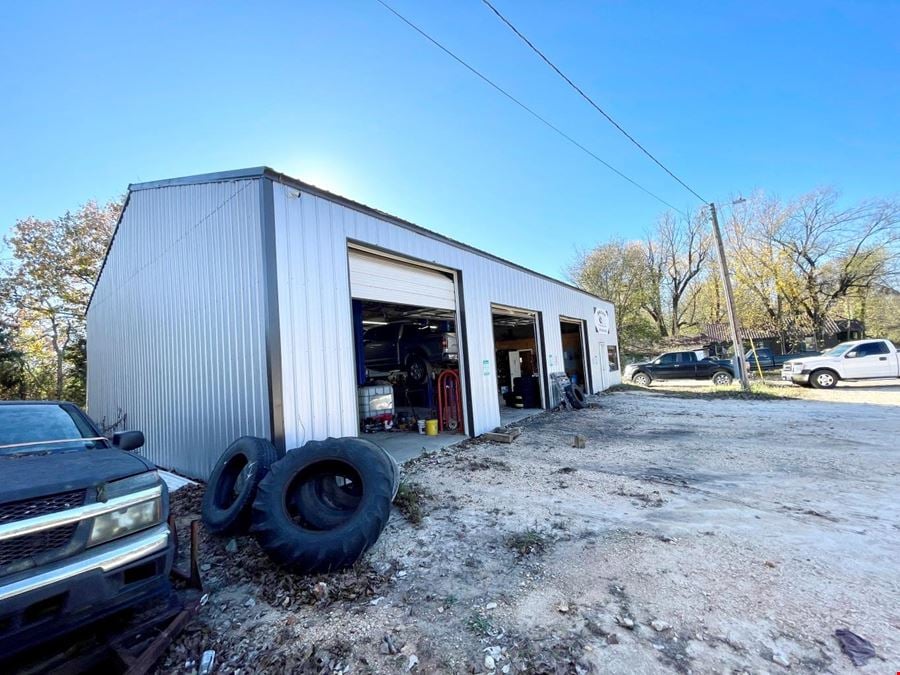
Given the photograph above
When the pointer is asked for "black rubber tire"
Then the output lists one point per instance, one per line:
(418, 370)
(638, 379)
(823, 379)
(232, 485)
(285, 532)
(719, 375)
(575, 396)
(324, 503)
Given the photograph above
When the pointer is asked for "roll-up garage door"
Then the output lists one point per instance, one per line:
(375, 277)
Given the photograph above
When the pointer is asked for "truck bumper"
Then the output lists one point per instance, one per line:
(800, 378)
(36, 606)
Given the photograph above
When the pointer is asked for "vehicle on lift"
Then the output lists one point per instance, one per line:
(412, 346)
(83, 530)
(857, 360)
(679, 366)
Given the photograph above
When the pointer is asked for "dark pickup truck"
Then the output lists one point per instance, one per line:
(411, 346)
(769, 361)
(679, 366)
(83, 530)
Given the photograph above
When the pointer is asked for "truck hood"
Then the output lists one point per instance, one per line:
(809, 361)
(38, 474)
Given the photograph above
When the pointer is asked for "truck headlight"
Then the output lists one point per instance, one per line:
(115, 524)
(796, 367)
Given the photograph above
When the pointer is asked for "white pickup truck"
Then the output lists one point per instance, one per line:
(857, 360)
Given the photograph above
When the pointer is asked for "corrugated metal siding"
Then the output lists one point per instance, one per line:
(176, 329)
(312, 235)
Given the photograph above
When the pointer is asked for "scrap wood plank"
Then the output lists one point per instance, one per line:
(503, 435)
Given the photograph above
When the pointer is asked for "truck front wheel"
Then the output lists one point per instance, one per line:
(823, 379)
(641, 379)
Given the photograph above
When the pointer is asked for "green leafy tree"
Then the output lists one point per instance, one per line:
(617, 271)
(47, 287)
(12, 377)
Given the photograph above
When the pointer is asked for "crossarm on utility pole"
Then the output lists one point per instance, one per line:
(729, 303)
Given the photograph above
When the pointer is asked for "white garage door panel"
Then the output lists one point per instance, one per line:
(382, 279)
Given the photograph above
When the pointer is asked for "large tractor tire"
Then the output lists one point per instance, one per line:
(326, 500)
(324, 505)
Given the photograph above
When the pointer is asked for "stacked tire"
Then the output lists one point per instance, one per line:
(320, 507)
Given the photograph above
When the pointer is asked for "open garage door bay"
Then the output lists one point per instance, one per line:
(383, 279)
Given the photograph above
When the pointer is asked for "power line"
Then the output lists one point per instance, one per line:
(589, 99)
(519, 103)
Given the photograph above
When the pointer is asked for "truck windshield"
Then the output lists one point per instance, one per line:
(36, 423)
(838, 351)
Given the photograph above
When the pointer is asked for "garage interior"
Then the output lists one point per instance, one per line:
(574, 357)
(410, 394)
(517, 357)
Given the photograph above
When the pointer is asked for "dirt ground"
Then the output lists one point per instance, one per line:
(692, 534)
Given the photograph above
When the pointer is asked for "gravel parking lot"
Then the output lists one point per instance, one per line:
(691, 534)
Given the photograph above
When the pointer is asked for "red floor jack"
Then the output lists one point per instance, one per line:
(449, 395)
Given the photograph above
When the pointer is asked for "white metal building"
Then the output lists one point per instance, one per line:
(224, 309)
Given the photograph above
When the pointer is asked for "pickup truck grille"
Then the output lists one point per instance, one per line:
(20, 549)
(40, 506)
(20, 553)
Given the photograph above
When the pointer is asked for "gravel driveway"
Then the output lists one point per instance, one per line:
(690, 535)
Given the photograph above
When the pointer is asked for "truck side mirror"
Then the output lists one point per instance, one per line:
(128, 440)
(851, 355)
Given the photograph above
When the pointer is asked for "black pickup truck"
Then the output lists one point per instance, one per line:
(83, 530)
(411, 346)
(767, 360)
(679, 366)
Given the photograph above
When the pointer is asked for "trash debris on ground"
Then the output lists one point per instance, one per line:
(857, 648)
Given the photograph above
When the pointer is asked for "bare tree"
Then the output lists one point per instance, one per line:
(836, 251)
(677, 253)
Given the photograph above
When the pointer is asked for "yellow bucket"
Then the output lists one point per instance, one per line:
(431, 427)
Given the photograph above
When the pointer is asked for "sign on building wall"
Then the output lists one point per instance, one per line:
(601, 320)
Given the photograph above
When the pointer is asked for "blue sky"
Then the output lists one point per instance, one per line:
(733, 96)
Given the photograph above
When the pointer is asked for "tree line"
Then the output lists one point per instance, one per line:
(797, 266)
(44, 290)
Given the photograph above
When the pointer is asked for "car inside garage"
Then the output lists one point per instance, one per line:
(517, 354)
(410, 389)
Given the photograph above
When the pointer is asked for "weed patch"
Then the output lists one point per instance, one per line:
(480, 625)
(409, 501)
(528, 542)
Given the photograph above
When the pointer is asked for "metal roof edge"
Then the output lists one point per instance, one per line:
(250, 172)
(265, 171)
(112, 238)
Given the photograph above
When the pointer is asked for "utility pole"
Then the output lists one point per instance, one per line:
(729, 303)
